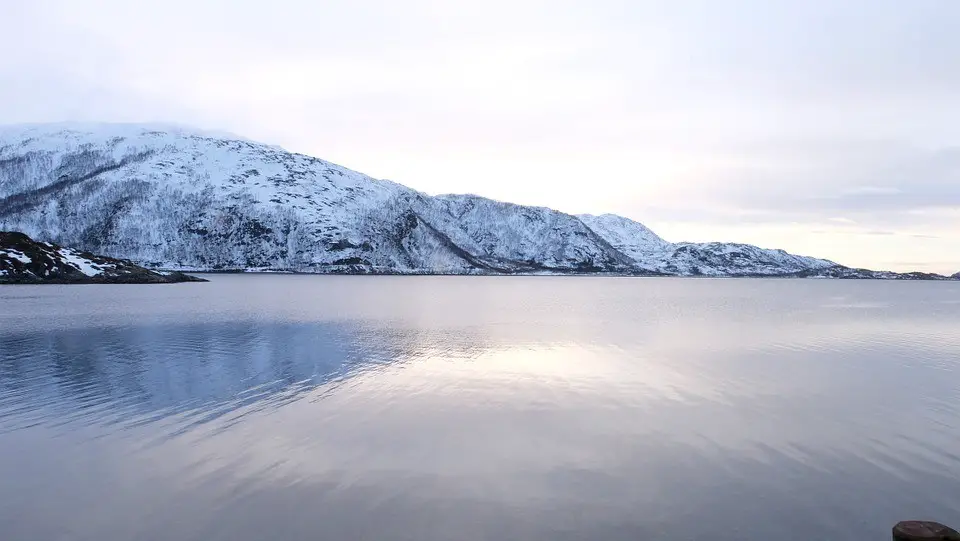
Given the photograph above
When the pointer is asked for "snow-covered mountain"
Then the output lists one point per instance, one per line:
(685, 258)
(179, 199)
(175, 198)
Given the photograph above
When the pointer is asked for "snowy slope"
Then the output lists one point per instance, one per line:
(737, 260)
(631, 238)
(542, 238)
(171, 197)
(175, 198)
(692, 259)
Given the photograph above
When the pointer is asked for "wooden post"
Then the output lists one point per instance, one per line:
(921, 530)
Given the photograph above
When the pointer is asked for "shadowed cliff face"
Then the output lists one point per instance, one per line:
(183, 200)
(23, 260)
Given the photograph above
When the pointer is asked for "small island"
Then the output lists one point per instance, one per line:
(26, 261)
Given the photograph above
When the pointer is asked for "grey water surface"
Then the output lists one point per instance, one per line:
(469, 408)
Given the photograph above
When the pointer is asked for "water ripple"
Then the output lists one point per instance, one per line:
(439, 408)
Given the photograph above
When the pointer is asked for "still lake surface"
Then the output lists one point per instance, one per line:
(468, 408)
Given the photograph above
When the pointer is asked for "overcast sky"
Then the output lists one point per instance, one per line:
(825, 127)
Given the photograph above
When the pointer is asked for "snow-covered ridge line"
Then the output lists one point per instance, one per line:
(177, 198)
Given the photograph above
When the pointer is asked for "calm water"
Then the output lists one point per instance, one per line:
(440, 408)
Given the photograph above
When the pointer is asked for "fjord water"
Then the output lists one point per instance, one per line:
(466, 408)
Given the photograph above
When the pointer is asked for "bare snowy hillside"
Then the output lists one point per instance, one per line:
(174, 198)
(689, 259)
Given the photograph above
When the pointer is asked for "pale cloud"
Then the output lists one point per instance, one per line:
(871, 190)
(754, 120)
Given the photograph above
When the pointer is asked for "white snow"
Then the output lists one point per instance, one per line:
(15, 254)
(82, 264)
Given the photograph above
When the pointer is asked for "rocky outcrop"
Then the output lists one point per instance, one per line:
(25, 261)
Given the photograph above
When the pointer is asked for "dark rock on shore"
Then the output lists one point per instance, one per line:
(25, 261)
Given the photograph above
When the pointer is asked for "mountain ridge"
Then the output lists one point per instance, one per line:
(183, 199)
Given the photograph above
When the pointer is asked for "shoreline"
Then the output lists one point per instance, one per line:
(929, 278)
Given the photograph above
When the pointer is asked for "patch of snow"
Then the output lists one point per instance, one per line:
(82, 264)
(16, 254)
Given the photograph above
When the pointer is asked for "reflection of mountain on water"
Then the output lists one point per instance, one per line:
(208, 370)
